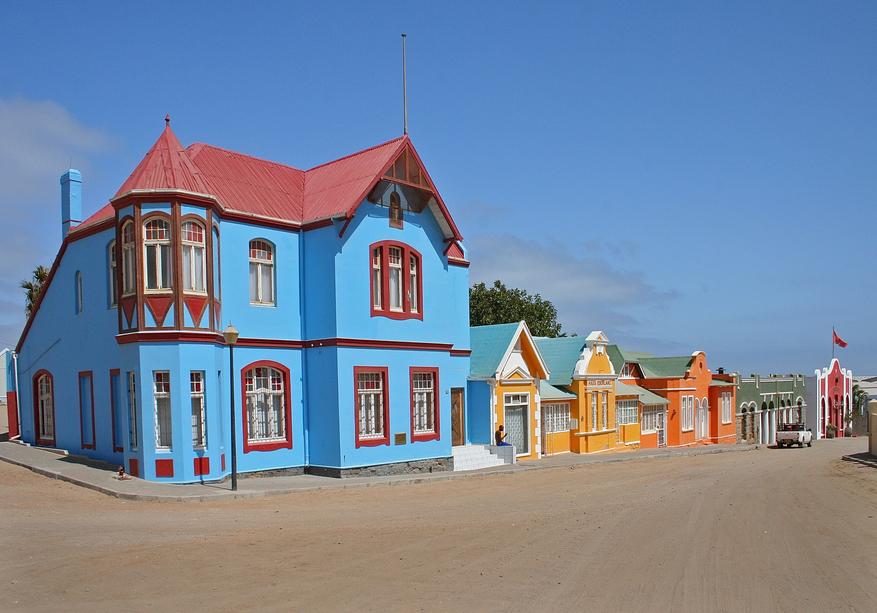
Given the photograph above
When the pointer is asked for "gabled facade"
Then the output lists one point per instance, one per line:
(348, 284)
(701, 408)
(764, 402)
(582, 367)
(505, 380)
(833, 391)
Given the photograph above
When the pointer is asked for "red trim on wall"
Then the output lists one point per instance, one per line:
(436, 399)
(377, 344)
(202, 466)
(170, 336)
(464, 353)
(90, 375)
(159, 307)
(12, 413)
(45, 442)
(105, 224)
(346, 223)
(222, 461)
(164, 468)
(269, 342)
(316, 225)
(287, 407)
(114, 371)
(196, 305)
(407, 252)
(371, 442)
(134, 467)
(461, 263)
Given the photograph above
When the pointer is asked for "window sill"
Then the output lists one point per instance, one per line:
(372, 442)
(272, 445)
(262, 304)
(426, 436)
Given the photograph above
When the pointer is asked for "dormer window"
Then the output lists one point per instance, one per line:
(395, 211)
(157, 254)
(628, 370)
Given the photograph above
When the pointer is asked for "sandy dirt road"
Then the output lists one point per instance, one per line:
(767, 530)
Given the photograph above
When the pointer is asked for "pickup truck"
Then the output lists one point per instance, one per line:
(791, 434)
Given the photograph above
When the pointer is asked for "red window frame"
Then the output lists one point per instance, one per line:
(426, 436)
(44, 442)
(287, 408)
(113, 408)
(371, 441)
(384, 310)
(90, 375)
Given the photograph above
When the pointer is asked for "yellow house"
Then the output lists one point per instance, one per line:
(506, 373)
(582, 368)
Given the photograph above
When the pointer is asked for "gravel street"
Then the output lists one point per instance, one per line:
(768, 530)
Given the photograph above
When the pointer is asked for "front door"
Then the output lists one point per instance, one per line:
(516, 429)
(457, 429)
(661, 428)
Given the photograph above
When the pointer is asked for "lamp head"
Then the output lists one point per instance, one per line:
(231, 335)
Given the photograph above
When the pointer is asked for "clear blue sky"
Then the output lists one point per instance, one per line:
(690, 176)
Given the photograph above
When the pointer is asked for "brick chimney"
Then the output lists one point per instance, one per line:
(71, 201)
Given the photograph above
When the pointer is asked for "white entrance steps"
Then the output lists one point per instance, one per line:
(473, 457)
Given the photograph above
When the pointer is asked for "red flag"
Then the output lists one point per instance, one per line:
(838, 340)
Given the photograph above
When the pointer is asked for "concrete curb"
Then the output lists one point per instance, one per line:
(862, 458)
(44, 462)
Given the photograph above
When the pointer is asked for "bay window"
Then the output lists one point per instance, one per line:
(157, 254)
(194, 263)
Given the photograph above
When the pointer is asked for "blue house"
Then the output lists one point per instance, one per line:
(348, 284)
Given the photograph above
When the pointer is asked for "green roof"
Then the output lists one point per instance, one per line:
(645, 396)
(561, 356)
(550, 392)
(489, 345)
(652, 366)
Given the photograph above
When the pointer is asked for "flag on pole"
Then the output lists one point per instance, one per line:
(838, 340)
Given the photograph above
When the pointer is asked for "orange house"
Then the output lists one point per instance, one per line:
(701, 404)
(581, 368)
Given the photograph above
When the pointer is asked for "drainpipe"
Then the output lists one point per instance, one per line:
(17, 396)
(305, 405)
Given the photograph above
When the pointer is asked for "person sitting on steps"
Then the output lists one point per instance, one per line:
(500, 435)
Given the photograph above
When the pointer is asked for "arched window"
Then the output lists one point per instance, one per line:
(396, 281)
(44, 401)
(157, 254)
(111, 252)
(261, 272)
(395, 211)
(194, 263)
(266, 405)
(128, 275)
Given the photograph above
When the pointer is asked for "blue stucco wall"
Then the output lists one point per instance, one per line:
(65, 343)
(479, 422)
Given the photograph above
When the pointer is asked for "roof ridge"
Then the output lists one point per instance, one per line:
(403, 137)
(202, 146)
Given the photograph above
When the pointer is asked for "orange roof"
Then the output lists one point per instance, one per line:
(252, 186)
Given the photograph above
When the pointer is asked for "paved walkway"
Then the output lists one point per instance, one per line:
(101, 477)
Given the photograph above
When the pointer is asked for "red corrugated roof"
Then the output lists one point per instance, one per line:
(165, 167)
(250, 185)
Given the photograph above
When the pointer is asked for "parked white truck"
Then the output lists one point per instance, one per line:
(794, 434)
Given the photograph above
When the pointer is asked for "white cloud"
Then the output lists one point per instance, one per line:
(38, 142)
(588, 292)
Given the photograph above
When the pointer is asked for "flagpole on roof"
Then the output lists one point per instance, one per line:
(404, 86)
(832, 342)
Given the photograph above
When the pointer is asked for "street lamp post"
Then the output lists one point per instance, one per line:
(231, 337)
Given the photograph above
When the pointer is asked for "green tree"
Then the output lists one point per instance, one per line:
(860, 402)
(33, 287)
(501, 305)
